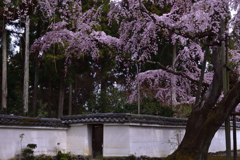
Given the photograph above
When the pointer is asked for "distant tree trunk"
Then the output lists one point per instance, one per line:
(36, 76)
(35, 90)
(225, 89)
(202, 74)
(70, 100)
(173, 101)
(138, 89)
(49, 98)
(4, 68)
(61, 97)
(26, 67)
(103, 91)
(76, 95)
(103, 82)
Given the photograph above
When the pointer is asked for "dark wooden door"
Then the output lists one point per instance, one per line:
(97, 140)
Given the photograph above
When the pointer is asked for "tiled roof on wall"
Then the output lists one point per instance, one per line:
(123, 118)
(98, 118)
(30, 121)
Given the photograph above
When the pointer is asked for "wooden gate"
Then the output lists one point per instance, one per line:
(97, 140)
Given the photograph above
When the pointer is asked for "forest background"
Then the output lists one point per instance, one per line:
(88, 86)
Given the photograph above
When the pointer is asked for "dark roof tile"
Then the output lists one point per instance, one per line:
(30, 121)
(124, 118)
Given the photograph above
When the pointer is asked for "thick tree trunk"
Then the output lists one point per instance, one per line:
(207, 116)
(4, 68)
(202, 126)
(26, 67)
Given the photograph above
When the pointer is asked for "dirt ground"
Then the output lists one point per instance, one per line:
(219, 158)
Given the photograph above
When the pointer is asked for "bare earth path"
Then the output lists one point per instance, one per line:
(221, 156)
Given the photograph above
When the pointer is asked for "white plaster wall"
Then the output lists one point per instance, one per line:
(154, 141)
(116, 140)
(78, 136)
(46, 139)
(219, 143)
(150, 140)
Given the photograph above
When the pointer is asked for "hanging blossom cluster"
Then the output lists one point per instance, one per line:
(138, 35)
(163, 84)
(73, 31)
(187, 24)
